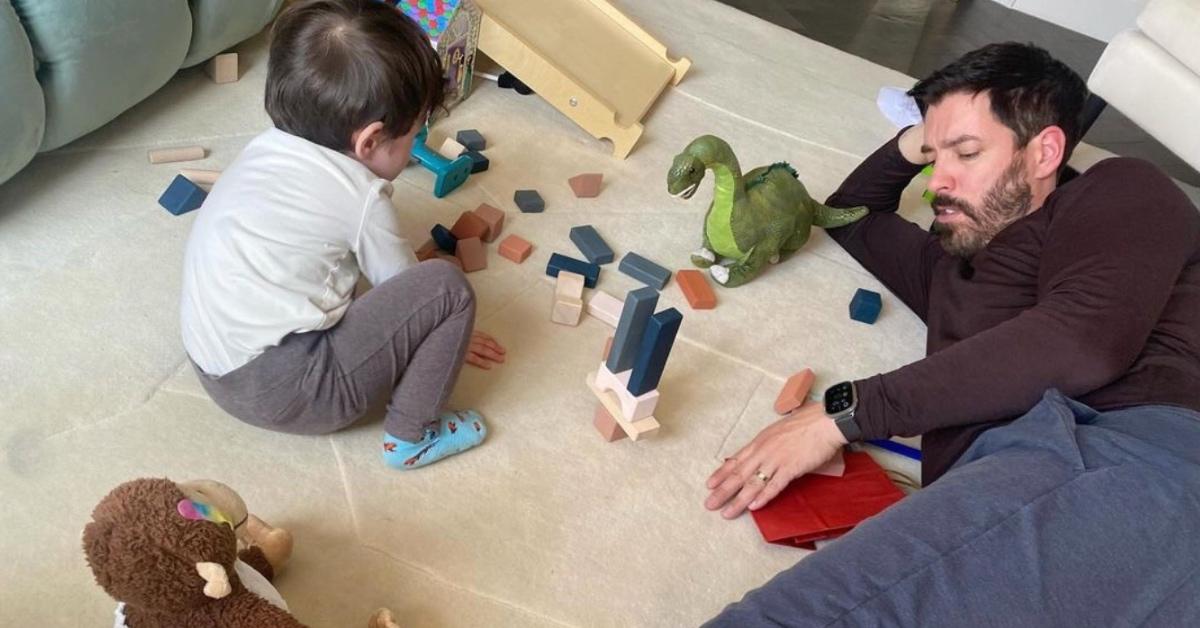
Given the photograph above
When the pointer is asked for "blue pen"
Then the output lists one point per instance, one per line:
(897, 448)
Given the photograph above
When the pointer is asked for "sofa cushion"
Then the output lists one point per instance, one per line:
(219, 24)
(1153, 89)
(98, 58)
(22, 112)
(1174, 25)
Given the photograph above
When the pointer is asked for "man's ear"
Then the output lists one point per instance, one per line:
(367, 139)
(1049, 152)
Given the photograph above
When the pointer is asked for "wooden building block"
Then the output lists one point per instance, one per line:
(451, 149)
(607, 347)
(223, 68)
(201, 177)
(529, 201)
(515, 248)
(444, 239)
(472, 254)
(696, 289)
(469, 225)
(635, 313)
(654, 351)
(178, 153)
(644, 270)
(644, 425)
(586, 185)
(471, 139)
(427, 251)
(865, 306)
(493, 218)
(558, 261)
(589, 242)
(568, 299)
(479, 161)
(449, 258)
(182, 196)
(795, 392)
(607, 425)
(605, 307)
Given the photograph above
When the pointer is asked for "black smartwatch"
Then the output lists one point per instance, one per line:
(840, 404)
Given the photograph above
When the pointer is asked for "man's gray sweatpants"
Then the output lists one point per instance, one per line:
(404, 341)
(1065, 517)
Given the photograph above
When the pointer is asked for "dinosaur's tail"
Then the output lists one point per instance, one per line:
(828, 217)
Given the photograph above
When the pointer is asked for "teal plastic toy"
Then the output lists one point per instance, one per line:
(448, 174)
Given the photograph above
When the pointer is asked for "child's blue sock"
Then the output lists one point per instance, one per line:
(454, 432)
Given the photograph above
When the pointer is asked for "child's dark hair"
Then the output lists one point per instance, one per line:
(339, 65)
(1029, 89)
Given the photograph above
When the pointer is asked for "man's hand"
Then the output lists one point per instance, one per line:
(786, 449)
(484, 351)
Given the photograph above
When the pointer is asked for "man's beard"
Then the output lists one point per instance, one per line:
(1007, 201)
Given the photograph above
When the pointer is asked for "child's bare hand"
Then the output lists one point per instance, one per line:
(484, 350)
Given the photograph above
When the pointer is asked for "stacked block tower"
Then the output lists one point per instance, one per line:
(627, 381)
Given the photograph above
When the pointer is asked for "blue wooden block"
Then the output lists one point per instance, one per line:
(558, 261)
(591, 244)
(865, 306)
(479, 163)
(529, 201)
(182, 196)
(639, 307)
(655, 349)
(444, 239)
(472, 139)
(644, 270)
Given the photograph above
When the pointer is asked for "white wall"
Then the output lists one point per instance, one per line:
(1100, 19)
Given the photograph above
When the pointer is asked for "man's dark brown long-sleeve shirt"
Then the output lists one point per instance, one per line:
(1097, 293)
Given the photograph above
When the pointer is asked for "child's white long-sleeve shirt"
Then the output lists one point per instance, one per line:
(278, 246)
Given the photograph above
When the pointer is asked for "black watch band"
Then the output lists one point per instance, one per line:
(841, 402)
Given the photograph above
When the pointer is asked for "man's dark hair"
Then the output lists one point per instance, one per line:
(1029, 89)
(339, 65)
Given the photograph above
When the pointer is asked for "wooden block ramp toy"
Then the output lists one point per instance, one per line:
(626, 383)
(585, 58)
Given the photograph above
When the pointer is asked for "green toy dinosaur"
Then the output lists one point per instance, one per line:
(753, 220)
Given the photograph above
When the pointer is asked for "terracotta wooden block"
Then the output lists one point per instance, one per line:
(449, 258)
(607, 425)
(515, 248)
(695, 287)
(795, 392)
(607, 348)
(179, 153)
(586, 185)
(427, 251)
(494, 218)
(472, 254)
(469, 225)
(223, 68)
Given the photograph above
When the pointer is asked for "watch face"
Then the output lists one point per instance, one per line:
(839, 398)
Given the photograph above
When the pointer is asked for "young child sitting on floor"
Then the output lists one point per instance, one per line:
(268, 314)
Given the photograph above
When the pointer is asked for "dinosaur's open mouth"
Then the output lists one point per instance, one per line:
(687, 192)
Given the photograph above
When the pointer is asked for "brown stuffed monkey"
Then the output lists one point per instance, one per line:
(168, 552)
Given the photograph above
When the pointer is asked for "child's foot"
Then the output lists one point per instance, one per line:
(452, 433)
